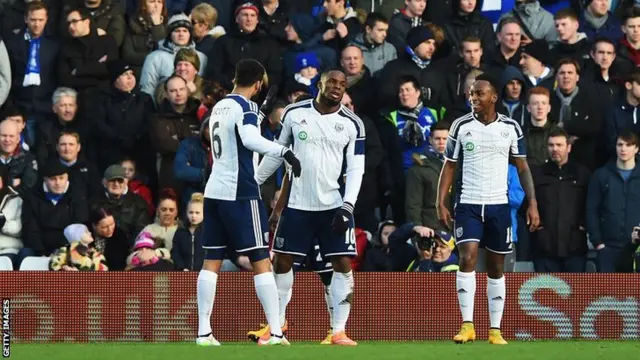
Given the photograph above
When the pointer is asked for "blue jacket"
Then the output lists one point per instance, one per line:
(611, 29)
(612, 206)
(191, 166)
(187, 251)
(516, 196)
(426, 118)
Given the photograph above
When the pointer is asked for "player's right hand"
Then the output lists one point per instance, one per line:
(292, 160)
(445, 216)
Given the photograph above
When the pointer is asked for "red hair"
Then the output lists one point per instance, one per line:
(167, 194)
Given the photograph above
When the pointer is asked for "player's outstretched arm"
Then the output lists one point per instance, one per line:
(444, 184)
(526, 180)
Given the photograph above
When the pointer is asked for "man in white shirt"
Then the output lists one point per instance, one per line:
(326, 134)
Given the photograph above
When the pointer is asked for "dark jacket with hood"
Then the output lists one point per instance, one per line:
(474, 24)
(620, 116)
(612, 206)
(140, 40)
(115, 249)
(354, 27)
(422, 189)
(515, 110)
(306, 27)
(187, 251)
(578, 51)
(611, 29)
(192, 164)
(399, 26)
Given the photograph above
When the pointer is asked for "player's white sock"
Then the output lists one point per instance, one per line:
(268, 295)
(284, 283)
(466, 286)
(342, 293)
(329, 300)
(206, 289)
(496, 293)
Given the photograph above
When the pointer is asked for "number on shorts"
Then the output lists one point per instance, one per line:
(217, 143)
(350, 237)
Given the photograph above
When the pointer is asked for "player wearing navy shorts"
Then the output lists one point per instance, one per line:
(234, 215)
(326, 136)
(483, 140)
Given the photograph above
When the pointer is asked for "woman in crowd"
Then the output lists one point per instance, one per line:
(10, 222)
(109, 239)
(164, 228)
(80, 254)
(145, 30)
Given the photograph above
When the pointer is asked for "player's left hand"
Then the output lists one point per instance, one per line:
(292, 160)
(533, 217)
(340, 223)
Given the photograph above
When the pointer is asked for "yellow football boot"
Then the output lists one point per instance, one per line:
(496, 338)
(467, 333)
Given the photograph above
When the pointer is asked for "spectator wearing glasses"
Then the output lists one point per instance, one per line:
(107, 17)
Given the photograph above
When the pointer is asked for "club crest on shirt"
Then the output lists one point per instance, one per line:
(504, 134)
(279, 242)
(302, 135)
(339, 127)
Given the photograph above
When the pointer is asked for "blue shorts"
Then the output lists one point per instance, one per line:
(490, 225)
(299, 231)
(235, 226)
(314, 261)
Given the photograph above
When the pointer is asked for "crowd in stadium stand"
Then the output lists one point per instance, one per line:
(104, 154)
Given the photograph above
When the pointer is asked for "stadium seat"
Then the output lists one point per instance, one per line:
(5, 264)
(35, 263)
(524, 266)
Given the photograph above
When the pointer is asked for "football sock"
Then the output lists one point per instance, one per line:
(268, 295)
(284, 283)
(206, 289)
(342, 293)
(466, 286)
(496, 293)
(329, 300)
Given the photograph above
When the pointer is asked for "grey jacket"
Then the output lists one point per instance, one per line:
(375, 56)
(5, 73)
(537, 20)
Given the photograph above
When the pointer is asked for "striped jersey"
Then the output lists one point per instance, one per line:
(328, 147)
(235, 139)
(484, 150)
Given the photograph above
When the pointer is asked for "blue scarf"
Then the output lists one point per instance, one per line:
(32, 73)
(54, 198)
(422, 64)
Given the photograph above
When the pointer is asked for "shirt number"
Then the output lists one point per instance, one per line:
(217, 143)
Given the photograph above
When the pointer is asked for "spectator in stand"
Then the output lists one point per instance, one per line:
(578, 113)
(513, 96)
(11, 113)
(534, 61)
(109, 239)
(560, 243)
(422, 44)
(340, 24)
(5, 73)
(10, 219)
(461, 109)
(212, 92)
(48, 209)
(571, 43)
(601, 71)
(21, 165)
(135, 185)
(121, 119)
(193, 163)
(404, 20)
(536, 22)
(65, 108)
(422, 179)
(376, 51)
(467, 20)
(166, 223)
(176, 121)
(307, 73)
(597, 21)
(187, 65)
(79, 254)
(82, 60)
(613, 207)
(360, 83)
(379, 255)
(187, 252)
(147, 256)
(145, 30)
(34, 58)
(159, 65)
(623, 114)
(12, 17)
(83, 175)
(244, 41)
(107, 17)
(537, 129)
(273, 18)
(629, 50)
(436, 256)
(205, 32)
(301, 34)
(508, 53)
(129, 209)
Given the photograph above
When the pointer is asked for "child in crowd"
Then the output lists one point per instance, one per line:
(307, 73)
(79, 255)
(187, 252)
(146, 257)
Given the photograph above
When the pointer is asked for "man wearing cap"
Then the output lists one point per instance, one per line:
(534, 65)
(129, 210)
(121, 119)
(159, 65)
(244, 41)
(49, 208)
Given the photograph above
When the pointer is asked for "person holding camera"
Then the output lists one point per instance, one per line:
(434, 248)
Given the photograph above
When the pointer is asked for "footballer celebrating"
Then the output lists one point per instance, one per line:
(325, 135)
(484, 140)
(234, 214)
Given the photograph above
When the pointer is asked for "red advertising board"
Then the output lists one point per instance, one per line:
(48, 306)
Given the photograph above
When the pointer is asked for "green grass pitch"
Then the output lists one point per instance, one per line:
(442, 350)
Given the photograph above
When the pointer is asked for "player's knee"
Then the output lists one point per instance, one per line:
(282, 263)
(258, 255)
